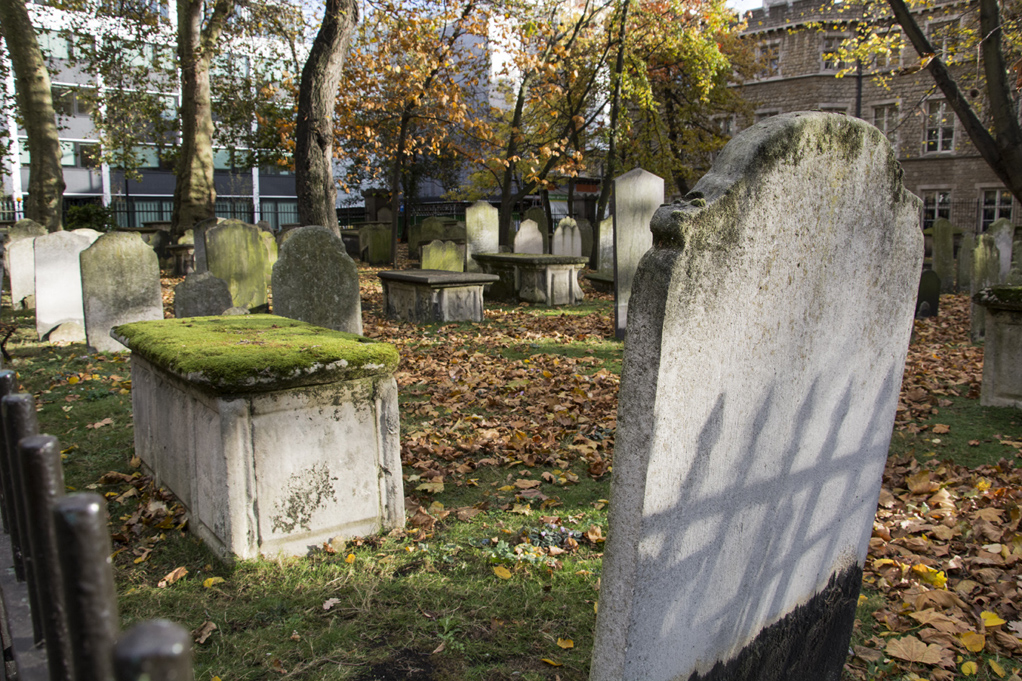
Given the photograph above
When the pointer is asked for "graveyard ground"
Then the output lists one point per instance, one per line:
(507, 434)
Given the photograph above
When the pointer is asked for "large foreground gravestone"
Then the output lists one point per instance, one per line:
(276, 435)
(316, 281)
(637, 195)
(235, 253)
(767, 336)
(120, 284)
(58, 285)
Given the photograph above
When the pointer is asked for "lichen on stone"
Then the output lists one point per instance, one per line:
(255, 353)
(1000, 297)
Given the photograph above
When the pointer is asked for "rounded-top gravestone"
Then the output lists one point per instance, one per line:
(235, 253)
(120, 284)
(315, 281)
(201, 295)
(58, 280)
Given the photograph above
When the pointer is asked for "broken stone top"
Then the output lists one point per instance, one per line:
(255, 353)
(1000, 298)
(783, 140)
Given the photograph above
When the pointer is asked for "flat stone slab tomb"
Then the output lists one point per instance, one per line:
(534, 278)
(1002, 370)
(430, 296)
(276, 435)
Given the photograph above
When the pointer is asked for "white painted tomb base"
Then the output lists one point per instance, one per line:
(280, 466)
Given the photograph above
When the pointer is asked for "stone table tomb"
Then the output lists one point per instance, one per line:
(534, 277)
(434, 296)
(276, 435)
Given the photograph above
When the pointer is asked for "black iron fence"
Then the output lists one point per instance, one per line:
(59, 549)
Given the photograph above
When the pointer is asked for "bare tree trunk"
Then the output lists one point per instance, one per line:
(395, 185)
(314, 129)
(44, 203)
(1003, 154)
(194, 191)
(610, 168)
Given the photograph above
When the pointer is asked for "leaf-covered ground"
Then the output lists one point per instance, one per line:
(507, 434)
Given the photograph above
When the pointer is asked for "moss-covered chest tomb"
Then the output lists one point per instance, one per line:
(275, 434)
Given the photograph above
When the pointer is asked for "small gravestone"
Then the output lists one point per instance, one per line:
(455, 231)
(928, 297)
(374, 244)
(201, 295)
(637, 195)
(605, 254)
(1003, 234)
(528, 239)
(943, 254)
(482, 233)
(538, 215)
(443, 255)
(264, 225)
(585, 231)
(767, 336)
(964, 262)
(567, 239)
(120, 284)
(431, 230)
(20, 257)
(1015, 275)
(235, 253)
(58, 281)
(384, 215)
(315, 281)
(25, 229)
(92, 234)
(986, 271)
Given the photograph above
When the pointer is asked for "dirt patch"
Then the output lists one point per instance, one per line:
(403, 665)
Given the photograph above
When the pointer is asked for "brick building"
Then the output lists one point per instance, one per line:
(795, 44)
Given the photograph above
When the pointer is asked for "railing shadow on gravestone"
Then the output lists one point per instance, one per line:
(60, 547)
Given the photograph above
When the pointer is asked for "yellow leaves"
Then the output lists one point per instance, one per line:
(996, 668)
(502, 572)
(970, 668)
(972, 641)
(552, 663)
(990, 619)
(931, 576)
(350, 558)
(210, 582)
(565, 643)
(911, 649)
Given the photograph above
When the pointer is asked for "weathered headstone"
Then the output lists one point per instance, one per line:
(120, 284)
(538, 215)
(585, 231)
(928, 296)
(1002, 372)
(92, 234)
(58, 281)
(1015, 275)
(482, 233)
(443, 255)
(374, 243)
(637, 195)
(384, 215)
(236, 254)
(767, 338)
(943, 254)
(605, 255)
(315, 281)
(22, 270)
(270, 244)
(1003, 234)
(431, 230)
(986, 271)
(964, 261)
(201, 295)
(528, 239)
(567, 239)
(20, 256)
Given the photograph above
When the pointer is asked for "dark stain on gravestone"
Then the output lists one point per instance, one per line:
(307, 490)
(811, 638)
(928, 299)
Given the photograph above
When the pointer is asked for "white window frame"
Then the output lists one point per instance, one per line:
(936, 204)
(991, 212)
(938, 138)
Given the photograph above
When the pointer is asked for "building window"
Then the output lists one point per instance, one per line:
(69, 101)
(889, 56)
(79, 154)
(940, 126)
(936, 205)
(831, 53)
(944, 36)
(725, 124)
(996, 205)
(885, 118)
(768, 56)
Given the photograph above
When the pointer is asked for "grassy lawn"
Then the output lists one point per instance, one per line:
(507, 433)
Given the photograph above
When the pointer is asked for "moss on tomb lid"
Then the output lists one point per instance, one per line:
(255, 353)
(1000, 297)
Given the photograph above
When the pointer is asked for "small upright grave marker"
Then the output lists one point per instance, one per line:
(944, 254)
(235, 253)
(637, 195)
(928, 298)
(481, 233)
(58, 285)
(528, 239)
